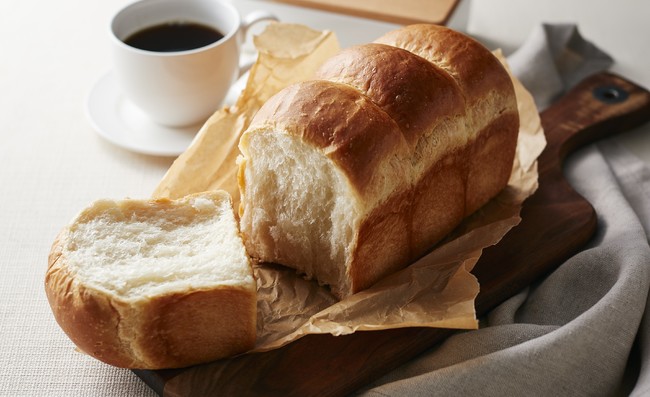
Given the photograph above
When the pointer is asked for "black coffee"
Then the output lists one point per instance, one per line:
(174, 36)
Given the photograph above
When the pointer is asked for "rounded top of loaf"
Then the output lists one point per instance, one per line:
(337, 119)
(478, 72)
(411, 90)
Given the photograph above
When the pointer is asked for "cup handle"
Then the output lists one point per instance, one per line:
(255, 17)
(248, 21)
(245, 66)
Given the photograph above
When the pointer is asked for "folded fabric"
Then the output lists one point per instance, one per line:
(584, 329)
(553, 59)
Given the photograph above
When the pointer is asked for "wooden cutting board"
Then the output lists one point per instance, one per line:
(556, 222)
(402, 11)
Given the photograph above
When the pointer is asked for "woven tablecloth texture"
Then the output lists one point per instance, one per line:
(570, 334)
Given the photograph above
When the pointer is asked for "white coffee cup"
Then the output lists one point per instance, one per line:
(185, 87)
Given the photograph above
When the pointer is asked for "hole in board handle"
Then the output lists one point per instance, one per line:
(610, 94)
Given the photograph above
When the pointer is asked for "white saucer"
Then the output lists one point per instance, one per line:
(120, 122)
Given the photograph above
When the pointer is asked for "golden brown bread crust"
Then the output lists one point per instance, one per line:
(412, 91)
(453, 103)
(438, 204)
(383, 237)
(476, 70)
(492, 156)
(492, 116)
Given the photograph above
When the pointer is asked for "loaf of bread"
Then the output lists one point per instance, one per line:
(154, 284)
(357, 173)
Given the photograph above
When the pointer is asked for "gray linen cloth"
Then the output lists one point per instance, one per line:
(584, 330)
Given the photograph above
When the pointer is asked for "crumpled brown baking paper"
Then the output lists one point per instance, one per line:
(436, 291)
(287, 53)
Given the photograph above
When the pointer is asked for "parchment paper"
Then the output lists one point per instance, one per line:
(288, 53)
(436, 291)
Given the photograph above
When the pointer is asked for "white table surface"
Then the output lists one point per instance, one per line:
(54, 164)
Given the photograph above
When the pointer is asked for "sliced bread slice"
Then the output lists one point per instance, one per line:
(154, 283)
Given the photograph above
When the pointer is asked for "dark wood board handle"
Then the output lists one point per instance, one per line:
(556, 223)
